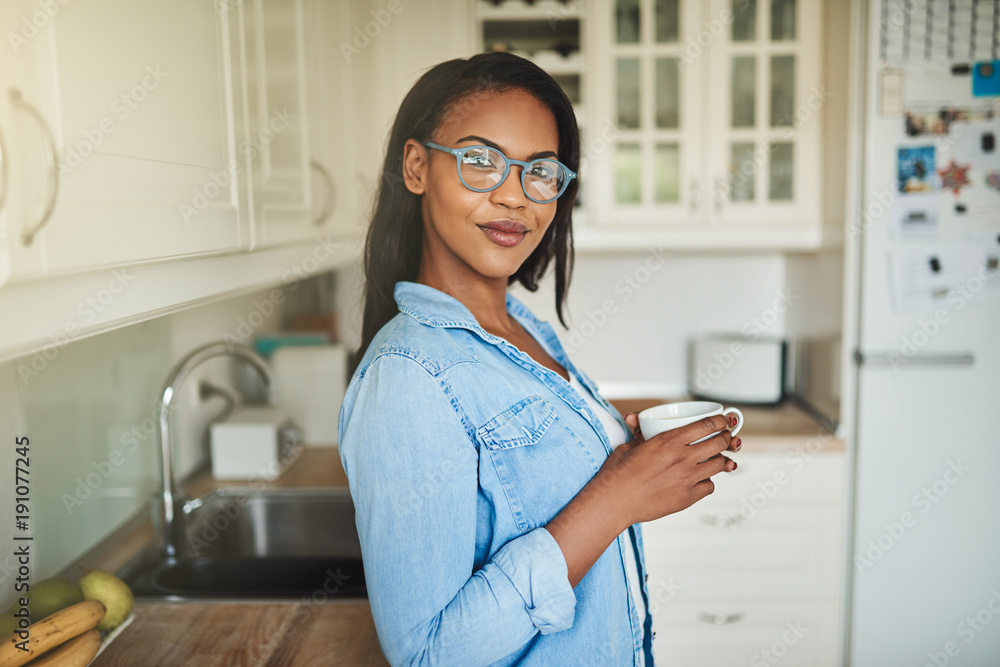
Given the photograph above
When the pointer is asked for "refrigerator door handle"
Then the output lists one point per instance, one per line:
(897, 359)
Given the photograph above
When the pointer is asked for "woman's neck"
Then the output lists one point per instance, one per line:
(486, 298)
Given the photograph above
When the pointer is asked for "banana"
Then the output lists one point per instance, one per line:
(77, 652)
(50, 632)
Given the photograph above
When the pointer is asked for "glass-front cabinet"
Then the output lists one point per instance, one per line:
(712, 114)
(645, 164)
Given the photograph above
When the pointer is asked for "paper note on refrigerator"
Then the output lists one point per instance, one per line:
(944, 275)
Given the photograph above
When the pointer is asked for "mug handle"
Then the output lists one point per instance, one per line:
(739, 419)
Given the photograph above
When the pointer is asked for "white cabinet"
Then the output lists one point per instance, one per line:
(713, 110)
(20, 209)
(336, 204)
(135, 101)
(390, 44)
(753, 568)
(275, 148)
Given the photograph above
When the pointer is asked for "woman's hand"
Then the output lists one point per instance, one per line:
(665, 474)
(641, 480)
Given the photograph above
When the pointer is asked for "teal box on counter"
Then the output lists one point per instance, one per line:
(266, 345)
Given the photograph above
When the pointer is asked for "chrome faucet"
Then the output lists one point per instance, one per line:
(171, 499)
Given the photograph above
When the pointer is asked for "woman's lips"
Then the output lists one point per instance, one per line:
(506, 233)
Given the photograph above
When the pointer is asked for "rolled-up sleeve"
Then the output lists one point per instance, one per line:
(413, 473)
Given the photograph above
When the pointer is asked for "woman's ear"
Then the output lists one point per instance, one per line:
(414, 166)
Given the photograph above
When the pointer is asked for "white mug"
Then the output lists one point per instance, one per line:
(674, 415)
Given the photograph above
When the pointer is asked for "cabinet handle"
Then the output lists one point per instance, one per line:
(723, 520)
(720, 194)
(52, 155)
(331, 192)
(695, 195)
(719, 619)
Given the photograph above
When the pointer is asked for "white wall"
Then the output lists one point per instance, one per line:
(633, 315)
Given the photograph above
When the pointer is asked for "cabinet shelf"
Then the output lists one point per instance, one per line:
(515, 10)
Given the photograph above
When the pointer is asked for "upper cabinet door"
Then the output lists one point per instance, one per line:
(766, 120)
(20, 124)
(647, 103)
(335, 185)
(134, 104)
(276, 145)
(709, 119)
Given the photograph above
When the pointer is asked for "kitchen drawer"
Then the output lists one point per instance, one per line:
(794, 475)
(709, 635)
(711, 551)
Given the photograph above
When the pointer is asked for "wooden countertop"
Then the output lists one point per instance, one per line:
(779, 428)
(331, 633)
(257, 634)
(196, 634)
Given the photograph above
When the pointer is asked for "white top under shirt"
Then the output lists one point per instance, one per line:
(616, 436)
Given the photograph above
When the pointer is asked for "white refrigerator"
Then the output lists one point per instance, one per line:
(924, 324)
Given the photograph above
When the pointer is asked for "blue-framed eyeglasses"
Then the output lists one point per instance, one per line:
(481, 169)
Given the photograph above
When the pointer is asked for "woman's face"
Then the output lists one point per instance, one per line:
(471, 234)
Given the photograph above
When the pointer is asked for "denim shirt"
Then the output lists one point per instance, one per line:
(459, 449)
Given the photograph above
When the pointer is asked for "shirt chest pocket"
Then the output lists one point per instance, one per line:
(539, 461)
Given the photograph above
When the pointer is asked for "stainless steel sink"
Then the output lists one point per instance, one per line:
(272, 522)
(259, 543)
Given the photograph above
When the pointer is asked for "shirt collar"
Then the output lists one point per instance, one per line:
(434, 308)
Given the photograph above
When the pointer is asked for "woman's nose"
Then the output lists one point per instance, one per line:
(510, 193)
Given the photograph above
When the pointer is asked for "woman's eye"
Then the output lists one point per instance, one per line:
(479, 159)
(542, 170)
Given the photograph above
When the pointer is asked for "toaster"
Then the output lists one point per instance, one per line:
(731, 368)
(254, 442)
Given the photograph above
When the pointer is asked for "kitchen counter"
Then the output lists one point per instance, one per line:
(256, 634)
(196, 634)
(325, 633)
(777, 428)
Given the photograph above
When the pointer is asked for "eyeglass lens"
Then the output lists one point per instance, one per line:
(482, 168)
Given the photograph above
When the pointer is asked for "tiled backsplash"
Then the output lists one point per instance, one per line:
(90, 414)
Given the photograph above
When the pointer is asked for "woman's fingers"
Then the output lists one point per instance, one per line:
(716, 464)
(698, 430)
(632, 419)
(712, 446)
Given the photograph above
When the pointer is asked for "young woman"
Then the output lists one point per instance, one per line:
(496, 490)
